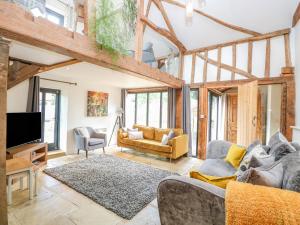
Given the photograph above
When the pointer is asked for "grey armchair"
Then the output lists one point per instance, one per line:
(94, 141)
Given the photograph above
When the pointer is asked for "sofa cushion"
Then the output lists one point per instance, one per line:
(148, 144)
(158, 133)
(83, 131)
(277, 138)
(293, 182)
(235, 155)
(216, 167)
(95, 141)
(147, 131)
(291, 167)
(263, 161)
(217, 181)
(271, 177)
(281, 149)
(135, 135)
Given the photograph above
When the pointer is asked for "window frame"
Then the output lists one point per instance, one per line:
(55, 14)
(147, 109)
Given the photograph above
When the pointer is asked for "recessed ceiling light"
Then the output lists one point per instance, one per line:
(67, 68)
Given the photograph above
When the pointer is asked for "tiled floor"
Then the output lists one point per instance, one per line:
(57, 204)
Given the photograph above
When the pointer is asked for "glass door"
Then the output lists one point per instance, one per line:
(194, 100)
(213, 111)
(49, 106)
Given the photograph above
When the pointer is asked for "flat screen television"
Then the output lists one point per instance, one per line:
(23, 128)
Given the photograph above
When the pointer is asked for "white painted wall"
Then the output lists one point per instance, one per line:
(73, 106)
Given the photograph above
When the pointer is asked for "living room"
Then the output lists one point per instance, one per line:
(149, 112)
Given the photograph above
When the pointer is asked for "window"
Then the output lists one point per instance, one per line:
(213, 105)
(55, 17)
(194, 101)
(150, 109)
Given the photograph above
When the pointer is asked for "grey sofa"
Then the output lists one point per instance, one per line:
(94, 141)
(187, 201)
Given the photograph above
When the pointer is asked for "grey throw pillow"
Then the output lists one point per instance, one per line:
(281, 149)
(296, 145)
(271, 177)
(293, 183)
(277, 138)
(171, 134)
(267, 148)
(264, 161)
(252, 146)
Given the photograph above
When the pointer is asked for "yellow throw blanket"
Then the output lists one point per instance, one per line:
(248, 204)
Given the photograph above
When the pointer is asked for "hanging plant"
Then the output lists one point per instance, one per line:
(113, 25)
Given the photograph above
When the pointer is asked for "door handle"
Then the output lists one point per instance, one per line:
(254, 121)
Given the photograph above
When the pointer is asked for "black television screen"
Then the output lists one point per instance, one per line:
(23, 128)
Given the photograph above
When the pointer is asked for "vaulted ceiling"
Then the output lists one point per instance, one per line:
(261, 16)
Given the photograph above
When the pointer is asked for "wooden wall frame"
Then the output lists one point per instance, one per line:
(4, 59)
(287, 105)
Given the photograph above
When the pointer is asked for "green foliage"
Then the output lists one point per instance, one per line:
(113, 26)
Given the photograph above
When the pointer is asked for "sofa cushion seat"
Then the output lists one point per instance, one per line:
(95, 141)
(216, 167)
(148, 144)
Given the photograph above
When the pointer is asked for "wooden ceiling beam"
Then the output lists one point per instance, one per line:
(235, 83)
(296, 16)
(227, 67)
(165, 33)
(59, 65)
(241, 41)
(147, 12)
(39, 32)
(21, 75)
(26, 61)
(163, 12)
(216, 20)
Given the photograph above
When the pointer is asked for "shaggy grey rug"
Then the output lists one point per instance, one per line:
(120, 185)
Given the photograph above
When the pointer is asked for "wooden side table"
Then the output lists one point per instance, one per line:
(18, 168)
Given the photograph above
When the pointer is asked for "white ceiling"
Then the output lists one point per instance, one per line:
(35, 54)
(86, 72)
(262, 16)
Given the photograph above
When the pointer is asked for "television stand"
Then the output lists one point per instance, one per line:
(36, 153)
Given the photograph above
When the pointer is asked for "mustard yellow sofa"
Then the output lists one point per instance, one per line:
(151, 143)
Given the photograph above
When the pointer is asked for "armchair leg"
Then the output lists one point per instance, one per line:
(86, 153)
(103, 150)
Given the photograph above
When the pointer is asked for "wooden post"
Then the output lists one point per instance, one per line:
(250, 53)
(233, 61)
(85, 17)
(268, 58)
(219, 63)
(181, 66)
(179, 108)
(205, 67)
(193, 69)
(203, 119)
(139, 33)
(4, 58)
(288, 60)
(290, 109)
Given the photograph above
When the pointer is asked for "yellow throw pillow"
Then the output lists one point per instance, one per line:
(235, 155)
(217, 181)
